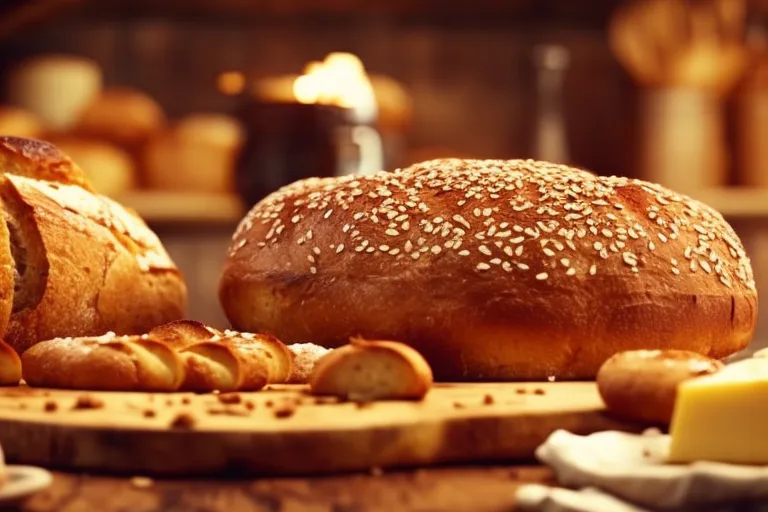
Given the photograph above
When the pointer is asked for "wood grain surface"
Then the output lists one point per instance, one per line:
(283, 431)
(476, 489)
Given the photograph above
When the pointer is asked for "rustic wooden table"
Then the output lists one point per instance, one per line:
(477, 489)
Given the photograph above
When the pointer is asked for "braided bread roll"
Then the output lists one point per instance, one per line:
(106, 363)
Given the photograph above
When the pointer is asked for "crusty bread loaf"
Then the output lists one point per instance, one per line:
(372, 370)
(641, 385)
(74, 263)
(107, 362)
(492, 269)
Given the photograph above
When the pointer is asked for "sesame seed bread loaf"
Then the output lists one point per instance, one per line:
(493, 270)
(72, 262)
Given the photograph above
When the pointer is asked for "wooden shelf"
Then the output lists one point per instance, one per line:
(161, 207)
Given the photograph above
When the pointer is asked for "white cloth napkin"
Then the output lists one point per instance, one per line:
(620, 472)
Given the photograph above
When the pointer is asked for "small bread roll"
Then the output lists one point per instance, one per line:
(372, 370)
(10, 365)
(124, 116)
(106, 363)
(197, 154)
(56, 88)
(641, 385)
(109, 168)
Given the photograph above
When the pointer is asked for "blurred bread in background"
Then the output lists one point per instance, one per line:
(196, 154)
(110, 168)
(18, 122)
(124, 116)
(55, 88)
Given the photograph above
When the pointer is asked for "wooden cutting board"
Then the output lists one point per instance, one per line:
(283, 431)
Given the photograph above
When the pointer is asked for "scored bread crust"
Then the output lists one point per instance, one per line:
(91, 266)
(106, 363)
(493, 270)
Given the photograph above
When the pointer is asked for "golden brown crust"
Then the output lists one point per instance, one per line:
(40, 160)
(108, 362)
(10, 365)
(104, 270)
(494, 270)
(223, 366)
(641, 385)
(242, 361)
(372, 370)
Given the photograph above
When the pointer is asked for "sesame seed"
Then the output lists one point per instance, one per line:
(485, 250)
(392, 232)
(593, 270)
(463, 252)
(483, 266)
(542, 276)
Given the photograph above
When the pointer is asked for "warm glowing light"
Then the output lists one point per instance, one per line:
(339, 80)
(230, 83)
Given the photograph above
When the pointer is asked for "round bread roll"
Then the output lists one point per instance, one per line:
(124, 116)
(72, 262)
(198, 154)
(493, 270)
(110, 170)
(641, 385)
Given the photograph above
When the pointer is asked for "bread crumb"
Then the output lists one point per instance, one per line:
(285, 411)
(227, 411)
(50, 406)
(250, 405)
(539, 391)
(458, 405)
(230, 398)
(269, 403)
(363, 404)
(88, 402)
(521, 391)
(488, 399)
(142, 482)
(169, 402)
(149, 413)
(183, 421)
(186, 400)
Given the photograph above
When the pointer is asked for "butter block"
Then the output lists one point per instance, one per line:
(723, 417)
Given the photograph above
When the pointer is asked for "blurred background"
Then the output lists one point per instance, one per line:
(189, 111)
